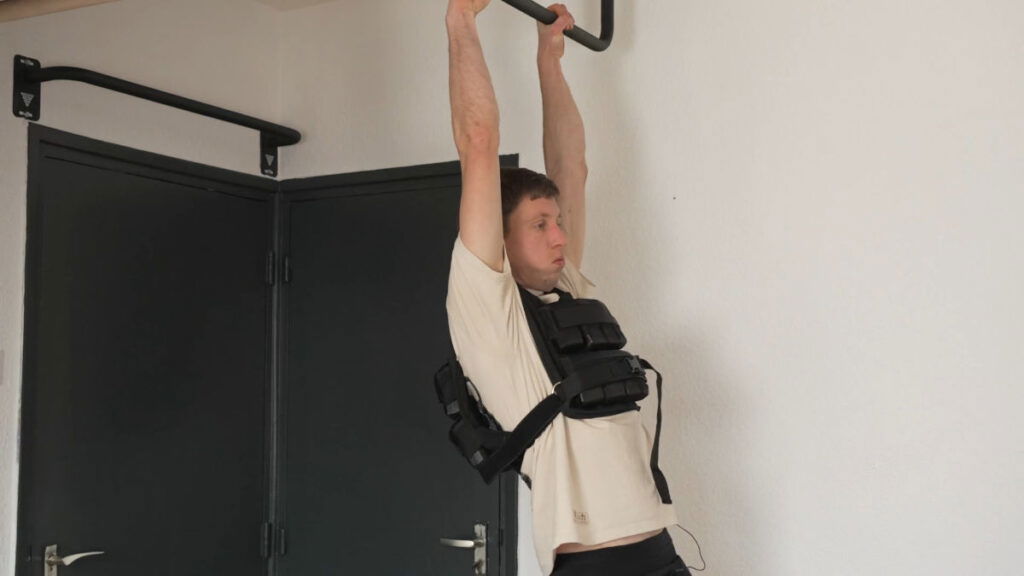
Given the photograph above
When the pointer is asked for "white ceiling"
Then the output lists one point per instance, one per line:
(18, 9)
(292, 4)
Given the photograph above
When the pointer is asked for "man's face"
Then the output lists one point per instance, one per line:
(536, 243)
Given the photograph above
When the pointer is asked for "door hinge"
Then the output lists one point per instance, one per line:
(266, 536)
(271, 271)
(272, 540)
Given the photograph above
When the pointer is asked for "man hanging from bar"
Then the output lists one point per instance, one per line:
(600, 504)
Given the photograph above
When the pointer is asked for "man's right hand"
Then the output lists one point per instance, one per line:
(463, 6)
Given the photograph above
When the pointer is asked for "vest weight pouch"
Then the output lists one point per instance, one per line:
(474, 431)
(603, 383)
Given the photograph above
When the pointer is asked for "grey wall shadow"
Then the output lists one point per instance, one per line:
(698, 376)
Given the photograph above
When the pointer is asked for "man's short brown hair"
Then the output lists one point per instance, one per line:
(517, 183)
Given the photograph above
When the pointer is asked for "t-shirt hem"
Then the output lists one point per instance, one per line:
(620, 531)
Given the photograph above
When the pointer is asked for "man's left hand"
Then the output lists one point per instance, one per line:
(552, 37)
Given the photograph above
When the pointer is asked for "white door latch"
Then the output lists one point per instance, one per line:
(478, 545)
(52, 560)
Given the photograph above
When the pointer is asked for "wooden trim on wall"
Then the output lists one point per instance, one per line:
(18, 9)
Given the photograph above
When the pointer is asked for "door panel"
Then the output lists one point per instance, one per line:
(146, 353)
(371, 482)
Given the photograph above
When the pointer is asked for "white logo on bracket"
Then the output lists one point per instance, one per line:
(27, 98)
(270, 159)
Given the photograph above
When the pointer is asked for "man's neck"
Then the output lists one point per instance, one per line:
(537, 292)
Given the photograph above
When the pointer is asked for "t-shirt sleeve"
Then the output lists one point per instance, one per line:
(480, 301)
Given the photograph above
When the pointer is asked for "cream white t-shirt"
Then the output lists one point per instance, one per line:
(591, 479)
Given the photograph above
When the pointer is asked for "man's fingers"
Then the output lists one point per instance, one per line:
(565, 20)
(568, 20)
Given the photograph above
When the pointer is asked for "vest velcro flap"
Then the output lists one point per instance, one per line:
(606, 377)
(474, 442)
(582, 324)
(579, 311)
(450, 384)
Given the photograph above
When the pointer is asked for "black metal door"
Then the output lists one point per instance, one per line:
(144, 418)
(370, 481)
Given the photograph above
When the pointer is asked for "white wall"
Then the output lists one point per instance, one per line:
(224, 53)
(802, 212)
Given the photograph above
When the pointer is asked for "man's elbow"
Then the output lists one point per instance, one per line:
(582, 171)
(575, 171)
(478, 141)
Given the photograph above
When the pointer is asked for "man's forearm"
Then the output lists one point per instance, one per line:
(564, 140)
(474, 106)
(564, 152)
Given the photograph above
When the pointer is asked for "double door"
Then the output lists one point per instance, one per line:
(229, 375)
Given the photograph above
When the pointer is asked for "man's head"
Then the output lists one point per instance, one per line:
(532, 225)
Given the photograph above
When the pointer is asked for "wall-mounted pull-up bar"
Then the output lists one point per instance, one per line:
(542, 14)
(28, 76)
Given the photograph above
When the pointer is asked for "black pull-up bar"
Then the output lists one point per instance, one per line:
(28, 76)
(538, 12)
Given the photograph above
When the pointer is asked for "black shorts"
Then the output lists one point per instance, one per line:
(655, 556)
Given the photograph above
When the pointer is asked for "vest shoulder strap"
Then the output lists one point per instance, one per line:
(531, 305)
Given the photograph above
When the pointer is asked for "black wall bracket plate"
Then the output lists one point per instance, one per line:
(27, 94)
(268, 154)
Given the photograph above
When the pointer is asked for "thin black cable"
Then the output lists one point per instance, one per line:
(699, 552)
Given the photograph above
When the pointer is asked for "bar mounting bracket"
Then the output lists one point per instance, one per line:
(543, 15)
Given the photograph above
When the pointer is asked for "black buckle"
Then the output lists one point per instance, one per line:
(634, 363)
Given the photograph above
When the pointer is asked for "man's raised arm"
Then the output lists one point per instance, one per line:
(475, 127)
(564, 142)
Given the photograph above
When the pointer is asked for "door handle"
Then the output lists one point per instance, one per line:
(53, 560)
(478, 545)
(462, 543)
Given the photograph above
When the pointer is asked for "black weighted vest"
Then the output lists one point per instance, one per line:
(580, 344)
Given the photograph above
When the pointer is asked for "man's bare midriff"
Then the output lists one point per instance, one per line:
(573, 547)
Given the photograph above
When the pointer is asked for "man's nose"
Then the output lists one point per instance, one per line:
(558, 236)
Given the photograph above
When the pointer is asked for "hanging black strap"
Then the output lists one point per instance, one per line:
(521, 438)
(659, 478)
